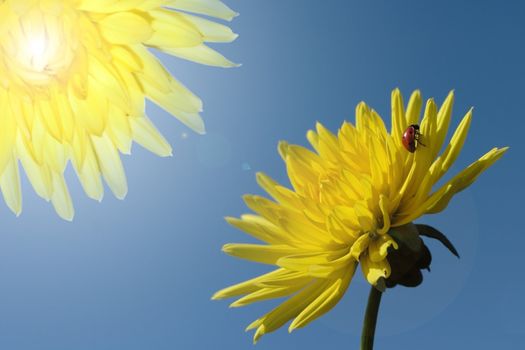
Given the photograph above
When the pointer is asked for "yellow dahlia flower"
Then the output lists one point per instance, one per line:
(74, 76)
(350, 197)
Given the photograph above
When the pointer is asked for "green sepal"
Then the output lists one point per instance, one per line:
(412, 278)
(410, 256)
(407, 236)
(429, 231)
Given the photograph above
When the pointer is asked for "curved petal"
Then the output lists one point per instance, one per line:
(325, 301)
(287, 310)
(374, 270)
(265, 254)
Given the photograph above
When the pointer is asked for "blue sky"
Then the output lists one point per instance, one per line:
(139, 273)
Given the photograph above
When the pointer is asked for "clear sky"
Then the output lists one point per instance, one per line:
(139, 273)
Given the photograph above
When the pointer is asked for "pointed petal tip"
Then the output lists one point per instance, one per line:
(217, 295)
(231, 16)
(230, 220)
(449, 100)
(122, 195)
(16, 210)
(235, 305)
(67, 216)
(258, 334)
(282, 148)
(247, 197)
(361, 105)
(227, 248)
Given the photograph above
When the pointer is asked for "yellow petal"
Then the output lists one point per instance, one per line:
(422, 157)
(456, 144)
(38, 175)
(443, 122)
(399, 122)
(171, 29)
(279, 193)
(201, 54)
(360, 246)
(384, 204)
(287, 310)
(91, 111)
(373, 270)
(60, 198)
(265, 254)
(127, 58)
(175, 104)
(7, 131)
(108, 5)
(119, 130)
(10, 186)
(318, 264)
(146, 135)
(259, 228)
(250, 285)
(466, 177)
(327, 145)
(270, 293)
(110, 165)
(325, 301)
(125, 28)
(214, 8)
(378, 248)
(88, 173)
(439, 199)
(414, 108)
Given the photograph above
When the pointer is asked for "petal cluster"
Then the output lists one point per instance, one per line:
(74, 78)
(346, 196)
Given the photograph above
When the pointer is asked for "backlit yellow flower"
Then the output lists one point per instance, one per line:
(74, 76)
(348, 195)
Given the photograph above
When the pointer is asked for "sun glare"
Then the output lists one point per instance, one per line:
(35, 50)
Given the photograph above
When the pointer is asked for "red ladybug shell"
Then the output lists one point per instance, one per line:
(410, 136)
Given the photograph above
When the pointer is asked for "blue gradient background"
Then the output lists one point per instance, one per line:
(139, 273)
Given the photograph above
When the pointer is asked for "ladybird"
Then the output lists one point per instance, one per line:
(411, 138)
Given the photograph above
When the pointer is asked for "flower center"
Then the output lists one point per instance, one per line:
(373, 235)
(37, 46)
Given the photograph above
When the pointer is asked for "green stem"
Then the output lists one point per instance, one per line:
(369, 323)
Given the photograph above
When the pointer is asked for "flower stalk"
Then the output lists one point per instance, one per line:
(370, 321)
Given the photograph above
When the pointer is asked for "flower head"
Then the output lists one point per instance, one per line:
(74, 76)
(350, 197)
